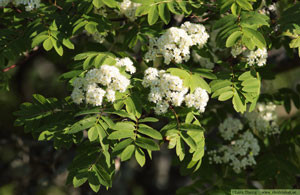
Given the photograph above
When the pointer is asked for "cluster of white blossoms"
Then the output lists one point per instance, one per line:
(175, 43)
(239, 153)
(237, 49)
(128, 8)
(230, 127)
(267, 10)
(263, 119)
(100, 83)
(29, 4)
(204, 62)
(166, 89)
(258, 57)
(127, 63)
(99, 37)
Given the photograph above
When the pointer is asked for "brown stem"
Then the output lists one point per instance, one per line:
(176, 116)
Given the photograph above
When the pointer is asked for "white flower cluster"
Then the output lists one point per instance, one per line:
(237, 50)
(204, 62)
(230, 127)
(239, 153)
(99, 83)
(128, 8)
(29, 4)
(258, 57)
(267, 10)
(127, 63)
(99, 37)
(263, 119)
(175, 43)
(167, 89)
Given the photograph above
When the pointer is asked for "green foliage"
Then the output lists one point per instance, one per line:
(94, 33)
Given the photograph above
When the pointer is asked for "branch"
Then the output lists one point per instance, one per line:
(28, 56)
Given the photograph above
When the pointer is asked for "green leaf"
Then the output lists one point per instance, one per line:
(244, 4)
(110, 3)
(38, 40)
(191, 127)
(172, 6)
(87, 64)
(233, 38)
(121, 145)
(147, 143)
(180, 148)
(188, 140)
(257, 37)
(146, 130)
(68, 43)
(225, 21)
(79, 179)
(121, 134)
(93, 181)
(234, 9)
(226, 5)
(92, 134)
(120, 126)
(221, 91)
(183, 5)
(90, 28)
(238, 102)
(123, 113)
(57, 46)
(98, 3)
(87, 112)
(127, 152)
(248, 42)
(196, 81)
(251, 82)
(102, 175)
(206, 73)
(152, 15)
(82, 124)
(142, 10)
(149, 119)
(225, 96)
(47, 44)
(140, 156)
(183, 74)
(219, 84)
(245, 76)
(164, 13)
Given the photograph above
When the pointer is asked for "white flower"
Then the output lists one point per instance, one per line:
(258, 57)
(29, 4)
(128, 8)
(237, 50)
(168, 89)
(230, 127)
(174, 44)
(263, 119)
(110, 95)
(127, 63)
(239, 153)
(161, 108)
(88, 88)
(77, 96)
(197, 33)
